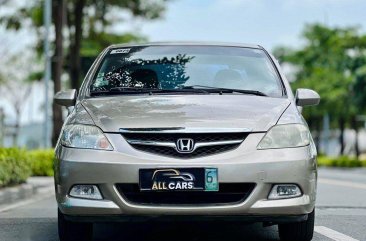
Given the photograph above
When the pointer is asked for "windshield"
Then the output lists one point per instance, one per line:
(183, 67)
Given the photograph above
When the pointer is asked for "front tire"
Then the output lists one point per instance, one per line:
(73, 231)
(300, 231)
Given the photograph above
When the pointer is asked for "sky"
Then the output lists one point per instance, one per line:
(269, 23)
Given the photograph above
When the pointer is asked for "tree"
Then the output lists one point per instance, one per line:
(359, 86)
(58, 63)
(79, 23)
(15, 89)
(86, 26)
(328, 63)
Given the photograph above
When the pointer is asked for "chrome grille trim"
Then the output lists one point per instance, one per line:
(152, 143)
(166, 144)
(183, 130)
(217, 143)
(173, 145)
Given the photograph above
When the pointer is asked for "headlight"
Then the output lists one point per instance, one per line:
(85, 136)
(284, 136)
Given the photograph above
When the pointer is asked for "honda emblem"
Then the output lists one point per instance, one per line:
(185, 145)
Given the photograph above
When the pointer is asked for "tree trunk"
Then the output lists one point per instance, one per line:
(315, 127)
(355, 127)
(16, 125)
(75, 62)
(2, 127)
(57, 66)
(318, 132)
(341, 135)
(21, 96)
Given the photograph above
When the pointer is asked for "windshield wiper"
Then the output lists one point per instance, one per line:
(140, 90)
(181, 91)
(185, 89)
(225, 90)
(130, 89)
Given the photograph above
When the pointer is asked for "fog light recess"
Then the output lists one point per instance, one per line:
(282, 191)
(86, 191)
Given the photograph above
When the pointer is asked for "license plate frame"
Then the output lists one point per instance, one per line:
(179, 179)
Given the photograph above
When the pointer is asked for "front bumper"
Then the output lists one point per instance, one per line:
(244, 164)
(272, 219)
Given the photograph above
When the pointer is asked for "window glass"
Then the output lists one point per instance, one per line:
(173, 67)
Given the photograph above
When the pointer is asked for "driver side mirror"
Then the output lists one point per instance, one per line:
(65, 97)
(306, 97)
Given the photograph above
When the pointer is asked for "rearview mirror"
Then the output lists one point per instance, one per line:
(65, 97)
(306, 97)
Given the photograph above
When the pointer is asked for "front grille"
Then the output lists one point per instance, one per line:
(172, 137)
(200, 152)
(229, 193)
(208, 138)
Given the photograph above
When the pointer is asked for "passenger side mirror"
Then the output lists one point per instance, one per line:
(305, 97)
(65, 97)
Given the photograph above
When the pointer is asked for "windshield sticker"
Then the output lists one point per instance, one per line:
(120, 51)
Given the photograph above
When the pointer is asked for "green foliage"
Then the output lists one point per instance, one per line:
(2, 79)
(16, 20)
(14, 166)
(41, 162)
(96, 42)
(360, 86)
(341, 161)
(97, 18)
(332, 62)
(96, 38)
(144, 8)
(35, 76)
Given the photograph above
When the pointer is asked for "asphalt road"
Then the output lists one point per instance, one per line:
(340, 216)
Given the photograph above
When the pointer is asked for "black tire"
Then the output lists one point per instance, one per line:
(74, 231)
(300, 231)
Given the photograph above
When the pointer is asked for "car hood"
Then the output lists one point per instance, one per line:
(255, 113)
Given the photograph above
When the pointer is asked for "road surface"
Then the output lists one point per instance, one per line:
(340, 216)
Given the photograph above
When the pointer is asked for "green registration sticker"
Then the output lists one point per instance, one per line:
(211, 179)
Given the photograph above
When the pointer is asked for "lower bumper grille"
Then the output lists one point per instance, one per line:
(229, 193)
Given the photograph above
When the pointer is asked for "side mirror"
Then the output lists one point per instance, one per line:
(65, 97)
(306, 97)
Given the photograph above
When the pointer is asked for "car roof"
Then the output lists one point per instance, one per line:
(199, 43)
